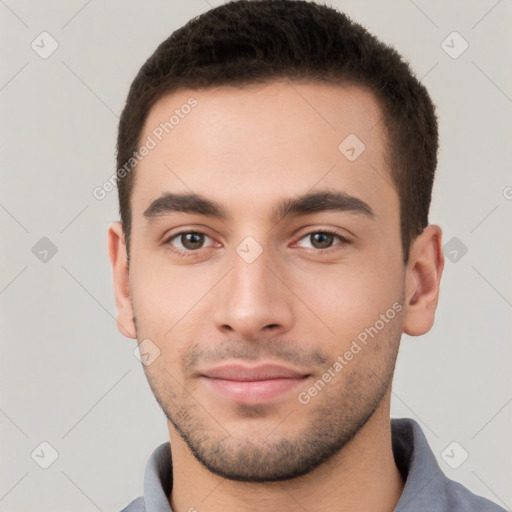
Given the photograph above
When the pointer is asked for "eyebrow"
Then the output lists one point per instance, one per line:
(312, 202)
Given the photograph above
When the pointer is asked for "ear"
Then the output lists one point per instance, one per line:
(423, 275)
(119, 262)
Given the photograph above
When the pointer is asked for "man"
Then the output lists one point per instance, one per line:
(275, 169)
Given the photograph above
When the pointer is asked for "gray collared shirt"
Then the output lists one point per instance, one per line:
(426, 489)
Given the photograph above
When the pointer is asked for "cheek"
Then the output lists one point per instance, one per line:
(344, 301)
(335, 301)
(161, 295)
(172, 303)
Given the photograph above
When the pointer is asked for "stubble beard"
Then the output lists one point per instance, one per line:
(335, 416)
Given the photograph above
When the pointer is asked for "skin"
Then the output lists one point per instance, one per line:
(299, 303)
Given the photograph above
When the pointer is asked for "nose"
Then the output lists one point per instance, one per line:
(253, 300)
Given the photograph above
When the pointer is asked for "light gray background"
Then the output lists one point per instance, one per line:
(70, 379)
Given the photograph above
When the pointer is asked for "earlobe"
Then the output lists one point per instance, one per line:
(423, 276)
(118, 260)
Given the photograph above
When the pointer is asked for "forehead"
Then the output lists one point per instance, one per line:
(252, 145)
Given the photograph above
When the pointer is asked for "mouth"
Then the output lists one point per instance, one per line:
(252, 384)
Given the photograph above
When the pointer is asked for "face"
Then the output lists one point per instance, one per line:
(266, 269)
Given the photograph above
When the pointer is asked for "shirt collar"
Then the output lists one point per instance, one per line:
(426, 486)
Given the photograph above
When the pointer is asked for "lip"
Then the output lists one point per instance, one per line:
(238, 372)
(252, 384)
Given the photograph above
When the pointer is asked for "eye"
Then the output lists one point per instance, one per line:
(187, 241)
(323, 240)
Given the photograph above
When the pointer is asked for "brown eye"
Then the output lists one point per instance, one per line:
(192, 240)
(321, 240)
(187, 242)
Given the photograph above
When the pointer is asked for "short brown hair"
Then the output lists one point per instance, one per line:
(250, 41)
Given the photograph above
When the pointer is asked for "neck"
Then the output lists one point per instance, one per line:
(361, 477)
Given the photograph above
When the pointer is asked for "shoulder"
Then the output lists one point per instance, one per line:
(444, 495)
(460, 498)
(137, 505)
(426, 486)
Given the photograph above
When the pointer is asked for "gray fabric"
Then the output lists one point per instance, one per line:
(426, 489)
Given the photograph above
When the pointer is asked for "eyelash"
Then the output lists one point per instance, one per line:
(192, 252)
